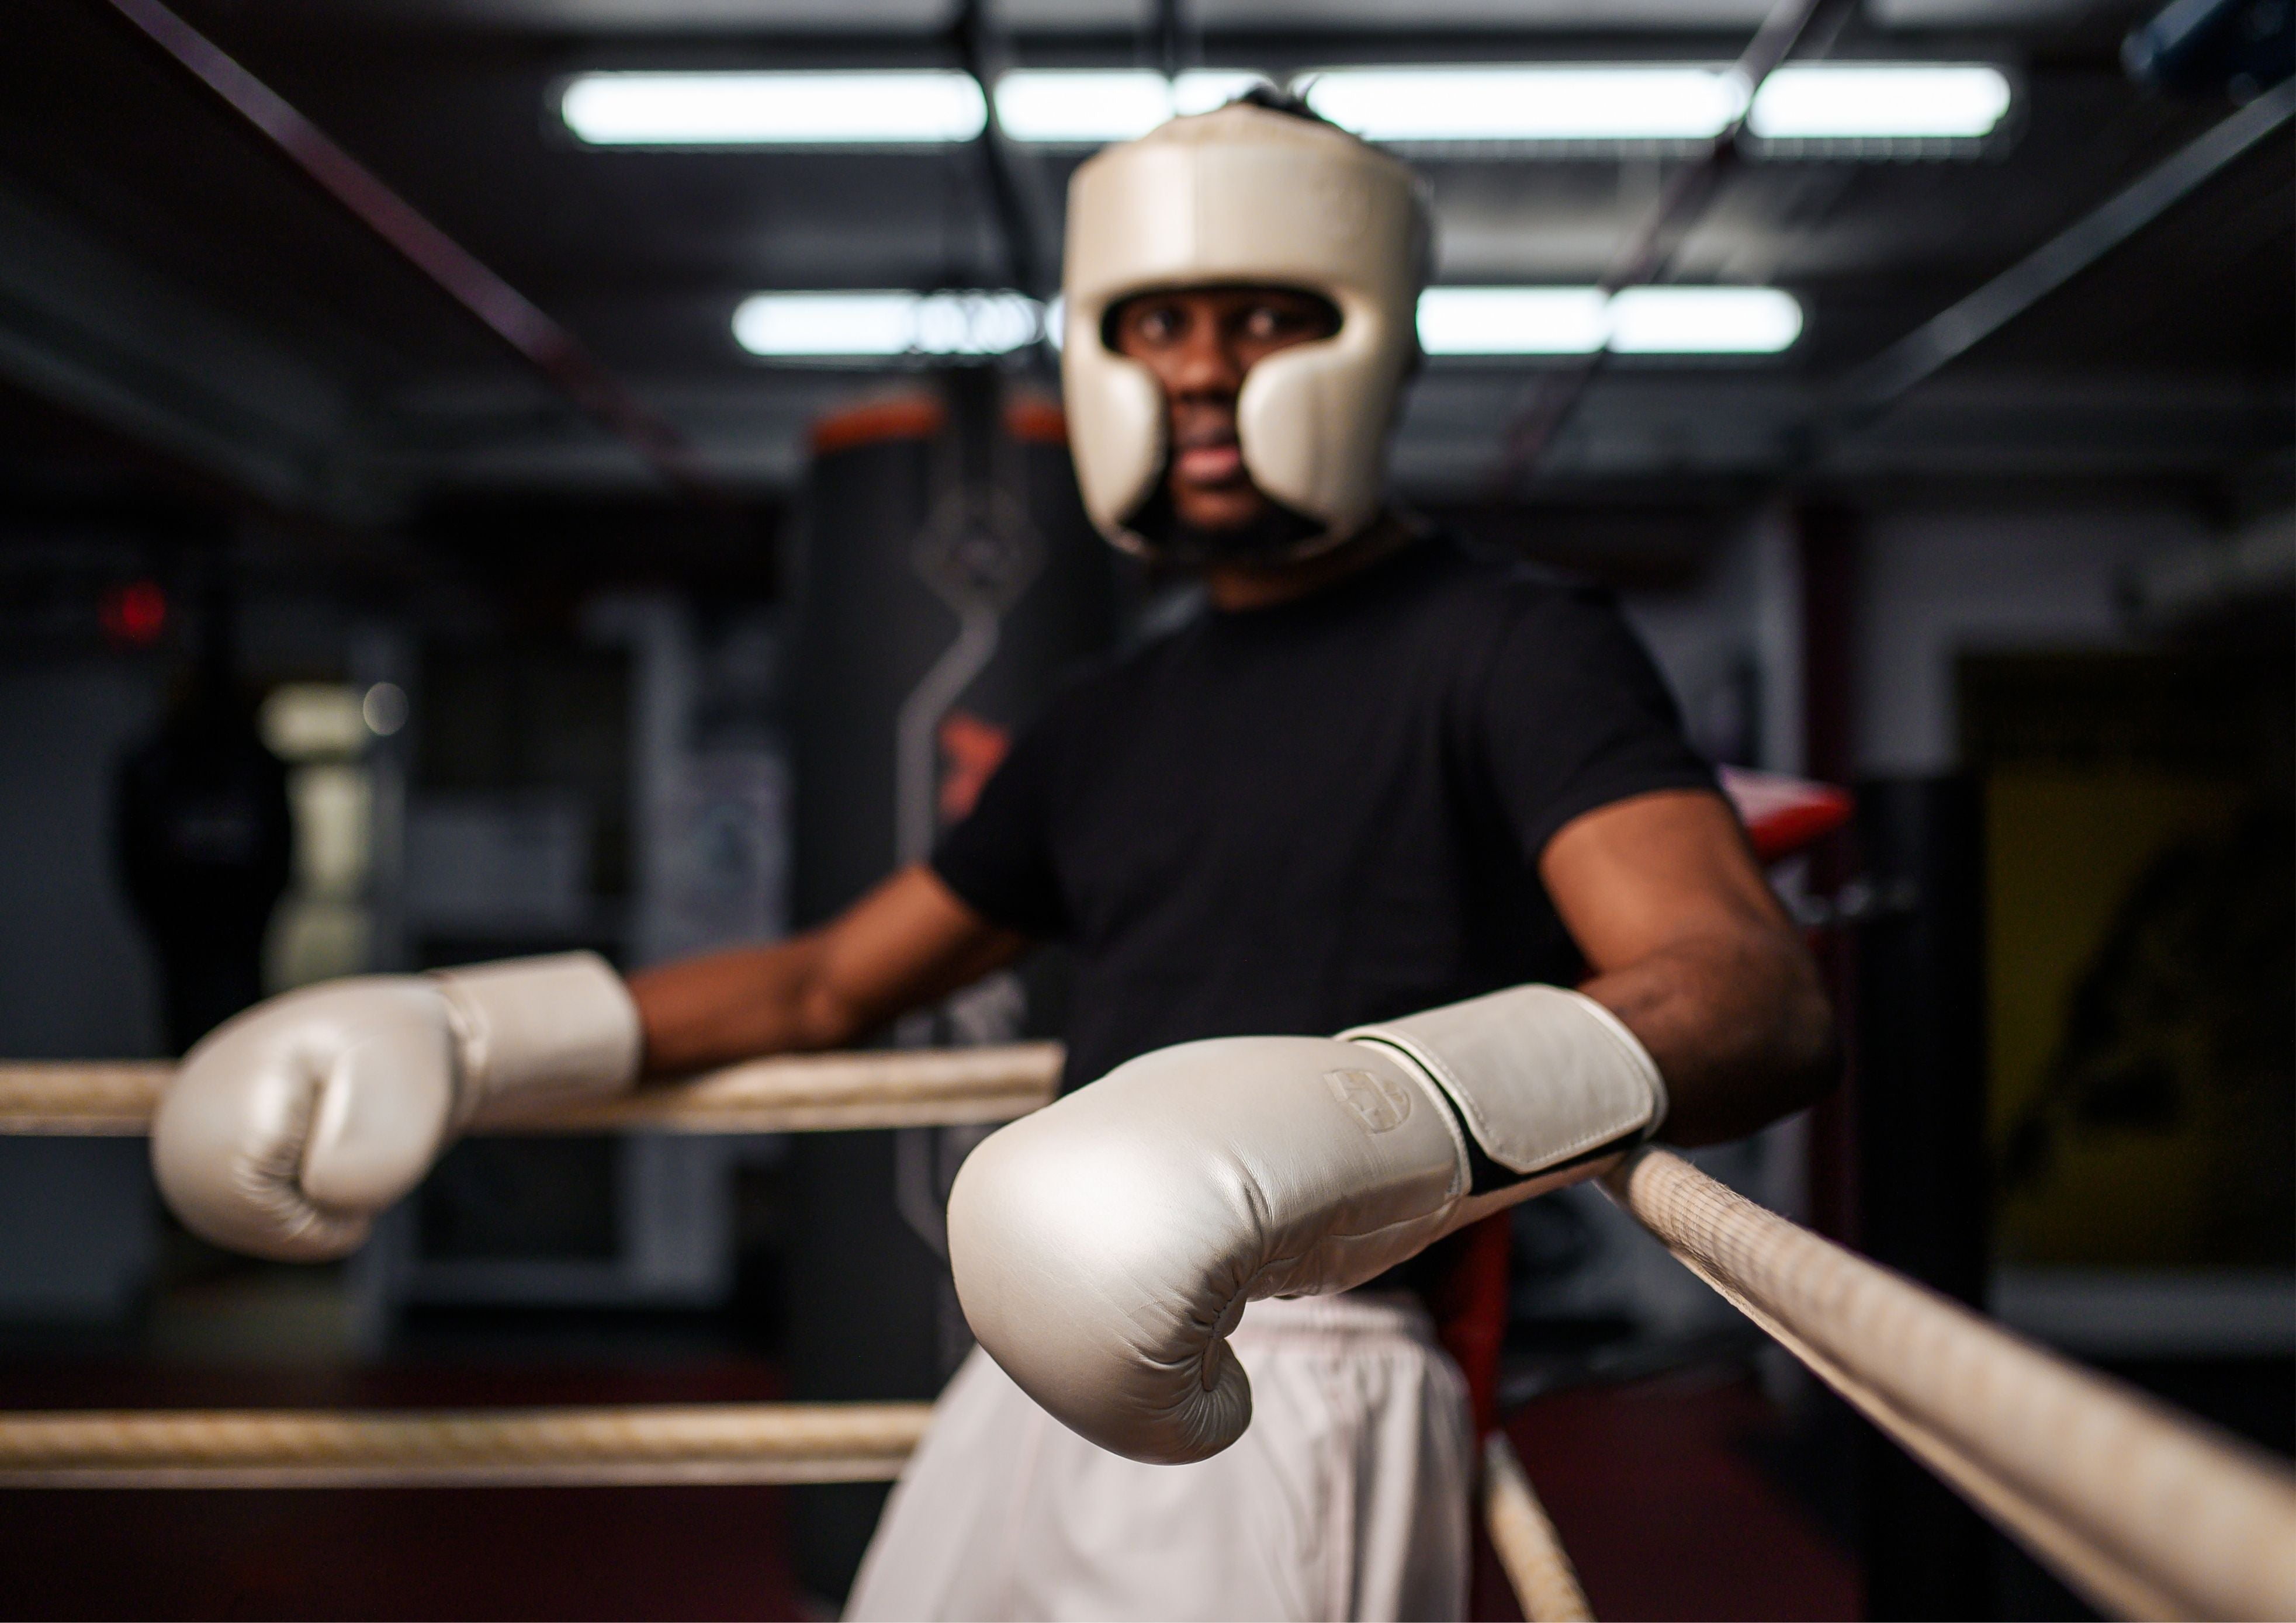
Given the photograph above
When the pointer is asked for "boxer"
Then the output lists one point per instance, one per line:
(1394, 896)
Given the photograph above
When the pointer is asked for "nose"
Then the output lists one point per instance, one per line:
(1204, 363)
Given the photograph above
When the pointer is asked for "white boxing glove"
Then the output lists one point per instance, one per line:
(288, 1127)
(1105, 1246)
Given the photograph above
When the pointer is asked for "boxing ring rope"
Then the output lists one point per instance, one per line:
(1545, 1585)
(799, 1093)
(2142, 1511)
(644, 1445)
(2146, 1512)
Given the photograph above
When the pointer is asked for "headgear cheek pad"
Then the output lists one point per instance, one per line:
(1246, 196)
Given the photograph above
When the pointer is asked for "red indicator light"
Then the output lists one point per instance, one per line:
(133, 615)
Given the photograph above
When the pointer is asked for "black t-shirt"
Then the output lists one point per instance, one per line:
(1301, 818)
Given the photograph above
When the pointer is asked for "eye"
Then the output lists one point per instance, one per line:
(1277, 320)
(1159, 323)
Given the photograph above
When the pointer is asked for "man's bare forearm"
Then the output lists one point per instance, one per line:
(1738, 1025)
(907, 942)
(1691, 950)
(730, 1005)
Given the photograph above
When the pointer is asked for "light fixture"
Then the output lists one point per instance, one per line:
(1084, 107)
(870, 326)
(1704, 321)
(1453, 321)
(825, 109)
(1880, 101)
(1534, 103)
(1630, 102)
(1202, 89)
(1512, 320)
(1492, 321)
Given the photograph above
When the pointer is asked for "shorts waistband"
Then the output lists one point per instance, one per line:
(1367, 1313)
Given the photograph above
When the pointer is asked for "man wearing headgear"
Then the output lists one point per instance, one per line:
(1438, 806)
(1254, 201)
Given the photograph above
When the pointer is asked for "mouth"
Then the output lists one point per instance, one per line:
(1208, 457)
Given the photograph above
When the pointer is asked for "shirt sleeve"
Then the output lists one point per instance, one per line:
(1575, 716)
(998, 858)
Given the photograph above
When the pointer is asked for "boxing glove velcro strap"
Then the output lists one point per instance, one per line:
(555, 1027)
(1540, 1076)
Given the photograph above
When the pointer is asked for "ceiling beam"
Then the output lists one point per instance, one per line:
(1966, 322)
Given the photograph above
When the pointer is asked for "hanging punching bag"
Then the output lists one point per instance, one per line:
(948, 577)
(203, 836)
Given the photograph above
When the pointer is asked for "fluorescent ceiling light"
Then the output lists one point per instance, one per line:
(1704, 321)
(1580, 321)
(1614, 103)
(1546, 102)
(1905, 100)
(1084, 107)
(1512, 320)
(1659, 101)
(1453, 321)
(855, 326)
(834, 108)
(1201, 89)
(1052, 105)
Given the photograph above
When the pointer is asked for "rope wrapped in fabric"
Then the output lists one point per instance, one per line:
(649, 1445)
(2144, 1511)
(796, 1092)
(1545, 1585)
(2141, 1510)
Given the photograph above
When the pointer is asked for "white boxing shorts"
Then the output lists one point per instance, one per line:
(1348, 1496)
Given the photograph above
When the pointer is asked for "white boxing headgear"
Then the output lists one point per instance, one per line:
(1249, 196)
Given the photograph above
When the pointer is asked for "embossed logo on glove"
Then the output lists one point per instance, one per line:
(1382, 1103)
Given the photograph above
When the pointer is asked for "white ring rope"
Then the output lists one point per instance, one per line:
(1545, 1585)
(2142, 1510)
(787, 1094)
(716, 1443)
(2145, 1511)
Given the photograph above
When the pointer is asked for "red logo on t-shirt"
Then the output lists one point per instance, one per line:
(971, 750)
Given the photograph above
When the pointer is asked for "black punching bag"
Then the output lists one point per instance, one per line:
(949, 578)
(204, 838)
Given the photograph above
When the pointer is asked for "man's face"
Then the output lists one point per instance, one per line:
(1198, 342)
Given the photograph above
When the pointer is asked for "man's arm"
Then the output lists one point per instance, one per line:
(1102, 1245)
(906, 943)
(1689, 949)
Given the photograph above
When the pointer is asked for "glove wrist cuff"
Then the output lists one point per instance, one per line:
(1540, 1076)
(540, 1030)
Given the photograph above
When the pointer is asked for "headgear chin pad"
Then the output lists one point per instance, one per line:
(1252, 197)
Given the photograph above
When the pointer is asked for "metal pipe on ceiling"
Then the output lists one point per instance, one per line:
(1880, 383)
(1015, 186)
(1644, 254)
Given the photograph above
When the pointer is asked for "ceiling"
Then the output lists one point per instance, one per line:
(171, 276)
